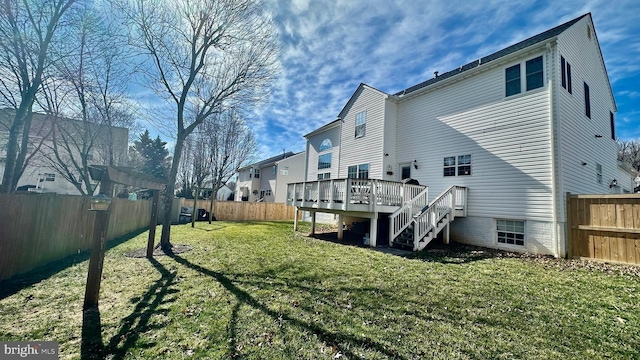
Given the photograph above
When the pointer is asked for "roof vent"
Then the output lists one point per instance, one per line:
(435, 73)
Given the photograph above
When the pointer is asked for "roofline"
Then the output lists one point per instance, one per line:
(270, 162)
(353, 97)
(604, 65)
(324, 128)
(495, 56)
(473, 71)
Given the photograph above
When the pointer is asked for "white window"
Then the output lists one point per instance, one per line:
(358, 171)
(256, 173)
(49, 177)
(361, 124)
(324, 161)
(510, 232)
(268, 192)
(464, 165)
(324, 176)
(533, 77)
(599, 173)
(449, 166)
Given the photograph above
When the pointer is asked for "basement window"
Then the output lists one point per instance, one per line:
(510, 232)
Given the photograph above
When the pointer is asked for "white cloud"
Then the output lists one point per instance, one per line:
(329, 47)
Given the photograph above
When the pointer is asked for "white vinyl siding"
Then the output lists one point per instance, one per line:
(368, 149)
(315, 142)
(577, 139)
(509, 139)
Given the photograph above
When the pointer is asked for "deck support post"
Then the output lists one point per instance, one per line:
(445, 236)
(295, 219)
(340, 226)
(313, 223)
(373, 230)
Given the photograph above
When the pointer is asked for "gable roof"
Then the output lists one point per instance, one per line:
(324, 127)
(268, 161)
(496, 55)
(353, 97)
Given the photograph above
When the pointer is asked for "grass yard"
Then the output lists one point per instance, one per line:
(255, 290)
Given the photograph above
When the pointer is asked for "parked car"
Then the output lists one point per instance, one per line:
(201, 215)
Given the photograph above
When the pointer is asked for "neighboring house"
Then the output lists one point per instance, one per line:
(259, 181)
(501, 139)
(41, 174)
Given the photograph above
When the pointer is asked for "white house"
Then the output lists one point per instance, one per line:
(75, 140)
(261, 181)
(494, 144)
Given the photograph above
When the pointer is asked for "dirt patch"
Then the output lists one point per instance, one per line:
(467, 253)
(159, 251)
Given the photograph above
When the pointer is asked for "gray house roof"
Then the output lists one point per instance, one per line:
(496, 55)
(269, 161)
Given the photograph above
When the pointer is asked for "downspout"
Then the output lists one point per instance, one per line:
(339, 150)
(555, 173)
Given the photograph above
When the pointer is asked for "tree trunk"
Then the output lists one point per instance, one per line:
(169, 191)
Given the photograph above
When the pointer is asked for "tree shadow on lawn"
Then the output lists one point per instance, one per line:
(13, 285)
(138, 321)
(246, 298)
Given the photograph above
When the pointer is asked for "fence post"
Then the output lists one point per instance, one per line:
(569, 225)
(153, 222)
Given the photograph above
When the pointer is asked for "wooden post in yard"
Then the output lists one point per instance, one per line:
(153, 222)
(568, 225)
(340, 226)
(101, 226)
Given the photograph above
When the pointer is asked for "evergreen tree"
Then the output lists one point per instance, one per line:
(150, 156)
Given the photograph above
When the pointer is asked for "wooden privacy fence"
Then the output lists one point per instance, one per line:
(604, 227)
(36, 229)
(245, 210)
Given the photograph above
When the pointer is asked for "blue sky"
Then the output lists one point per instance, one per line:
(331, 46)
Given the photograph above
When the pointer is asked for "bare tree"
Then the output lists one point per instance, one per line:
(232, 145)
(203, 56)
(27, 30)
(79, 86)
(629, 152)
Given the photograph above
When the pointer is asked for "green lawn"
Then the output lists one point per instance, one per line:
(255, 290)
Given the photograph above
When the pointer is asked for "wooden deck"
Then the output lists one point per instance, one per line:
(351, 195)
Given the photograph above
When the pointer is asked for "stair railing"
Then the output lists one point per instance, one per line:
(402, 218)
(431, 219)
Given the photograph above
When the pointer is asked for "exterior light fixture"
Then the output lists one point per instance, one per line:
(613, 183)
(415, 164)
(100, 202)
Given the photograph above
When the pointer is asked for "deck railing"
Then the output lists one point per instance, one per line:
(342, 192)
